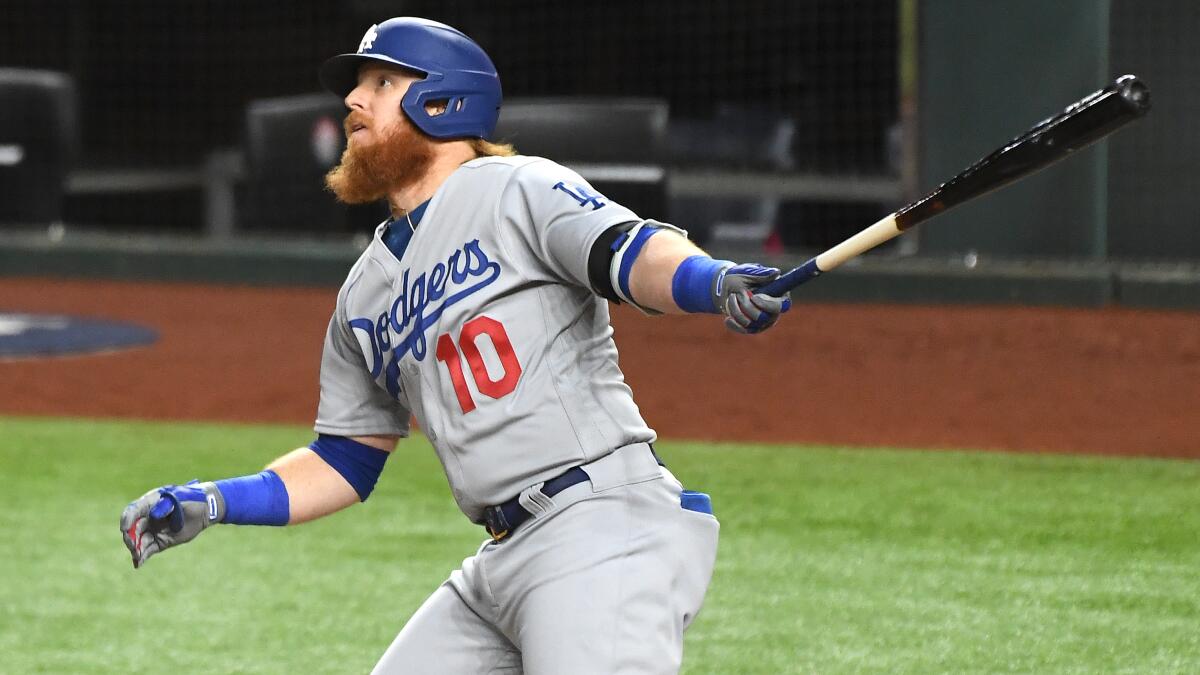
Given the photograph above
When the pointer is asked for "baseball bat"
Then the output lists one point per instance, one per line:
(1081, 124)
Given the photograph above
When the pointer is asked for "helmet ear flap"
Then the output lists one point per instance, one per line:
(472, 106)
(414, 104)
(436, 107)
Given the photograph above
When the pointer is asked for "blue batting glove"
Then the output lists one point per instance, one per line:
(168, 516)
(745, 310)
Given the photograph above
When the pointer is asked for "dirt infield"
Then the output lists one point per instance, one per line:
(1112, 381)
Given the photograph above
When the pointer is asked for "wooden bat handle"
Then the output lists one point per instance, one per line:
(854, 246)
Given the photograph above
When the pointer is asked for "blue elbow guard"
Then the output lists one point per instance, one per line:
(261, 499)
(625, 252)
(358, 463)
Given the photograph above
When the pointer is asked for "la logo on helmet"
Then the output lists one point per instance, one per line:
(368, 39)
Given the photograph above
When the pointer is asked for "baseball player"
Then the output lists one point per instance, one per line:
(481, 308)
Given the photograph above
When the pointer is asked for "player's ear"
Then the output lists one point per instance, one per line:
(438, 107)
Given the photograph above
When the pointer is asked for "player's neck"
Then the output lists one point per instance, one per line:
(445, 162)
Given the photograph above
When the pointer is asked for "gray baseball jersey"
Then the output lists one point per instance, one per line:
(485, 328)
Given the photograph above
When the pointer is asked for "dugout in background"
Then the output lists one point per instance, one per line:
(291, 142)
(616, 144)
(38, 143)
(737, 137)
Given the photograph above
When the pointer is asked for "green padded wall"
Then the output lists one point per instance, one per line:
(987, 72)
(1153, 195)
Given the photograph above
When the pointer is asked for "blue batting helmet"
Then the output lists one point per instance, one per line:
(456, 70)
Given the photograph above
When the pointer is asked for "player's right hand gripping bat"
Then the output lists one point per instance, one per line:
(1082, 123)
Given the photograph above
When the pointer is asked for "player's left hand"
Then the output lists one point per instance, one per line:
(168, 516)
(745, 310)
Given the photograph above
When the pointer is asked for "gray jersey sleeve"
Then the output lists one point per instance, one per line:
(559, 216)
(352, 404)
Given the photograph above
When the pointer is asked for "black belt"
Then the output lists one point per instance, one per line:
(502, 519)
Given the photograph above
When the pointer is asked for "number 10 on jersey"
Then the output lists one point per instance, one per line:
(467, 348)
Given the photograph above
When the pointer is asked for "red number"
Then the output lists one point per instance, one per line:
(448, 354)
(512, 370)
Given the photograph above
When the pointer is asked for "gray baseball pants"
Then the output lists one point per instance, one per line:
(603, 579)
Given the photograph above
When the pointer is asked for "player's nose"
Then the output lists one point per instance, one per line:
(356, 99)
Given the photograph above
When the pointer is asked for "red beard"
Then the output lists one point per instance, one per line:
(367, 174)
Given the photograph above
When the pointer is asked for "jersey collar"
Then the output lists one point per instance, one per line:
(397, 234)
(416, 214)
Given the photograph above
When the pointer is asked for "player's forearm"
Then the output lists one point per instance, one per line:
(669, 274)
(314, 488)
(331, 474)
(652, 278)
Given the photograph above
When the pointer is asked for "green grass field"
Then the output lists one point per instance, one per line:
(831, 560)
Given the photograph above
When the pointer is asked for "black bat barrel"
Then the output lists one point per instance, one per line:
(1048, 141)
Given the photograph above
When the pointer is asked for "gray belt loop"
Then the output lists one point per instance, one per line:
(534, 501)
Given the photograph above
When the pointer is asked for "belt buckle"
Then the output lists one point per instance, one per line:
(495, 523)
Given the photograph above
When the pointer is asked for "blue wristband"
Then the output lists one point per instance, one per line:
(261, 499)
(691, 287)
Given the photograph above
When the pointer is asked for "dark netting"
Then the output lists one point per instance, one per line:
(165, 82)
(804, 88)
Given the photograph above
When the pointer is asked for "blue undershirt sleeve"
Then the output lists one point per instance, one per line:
(358, 463)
